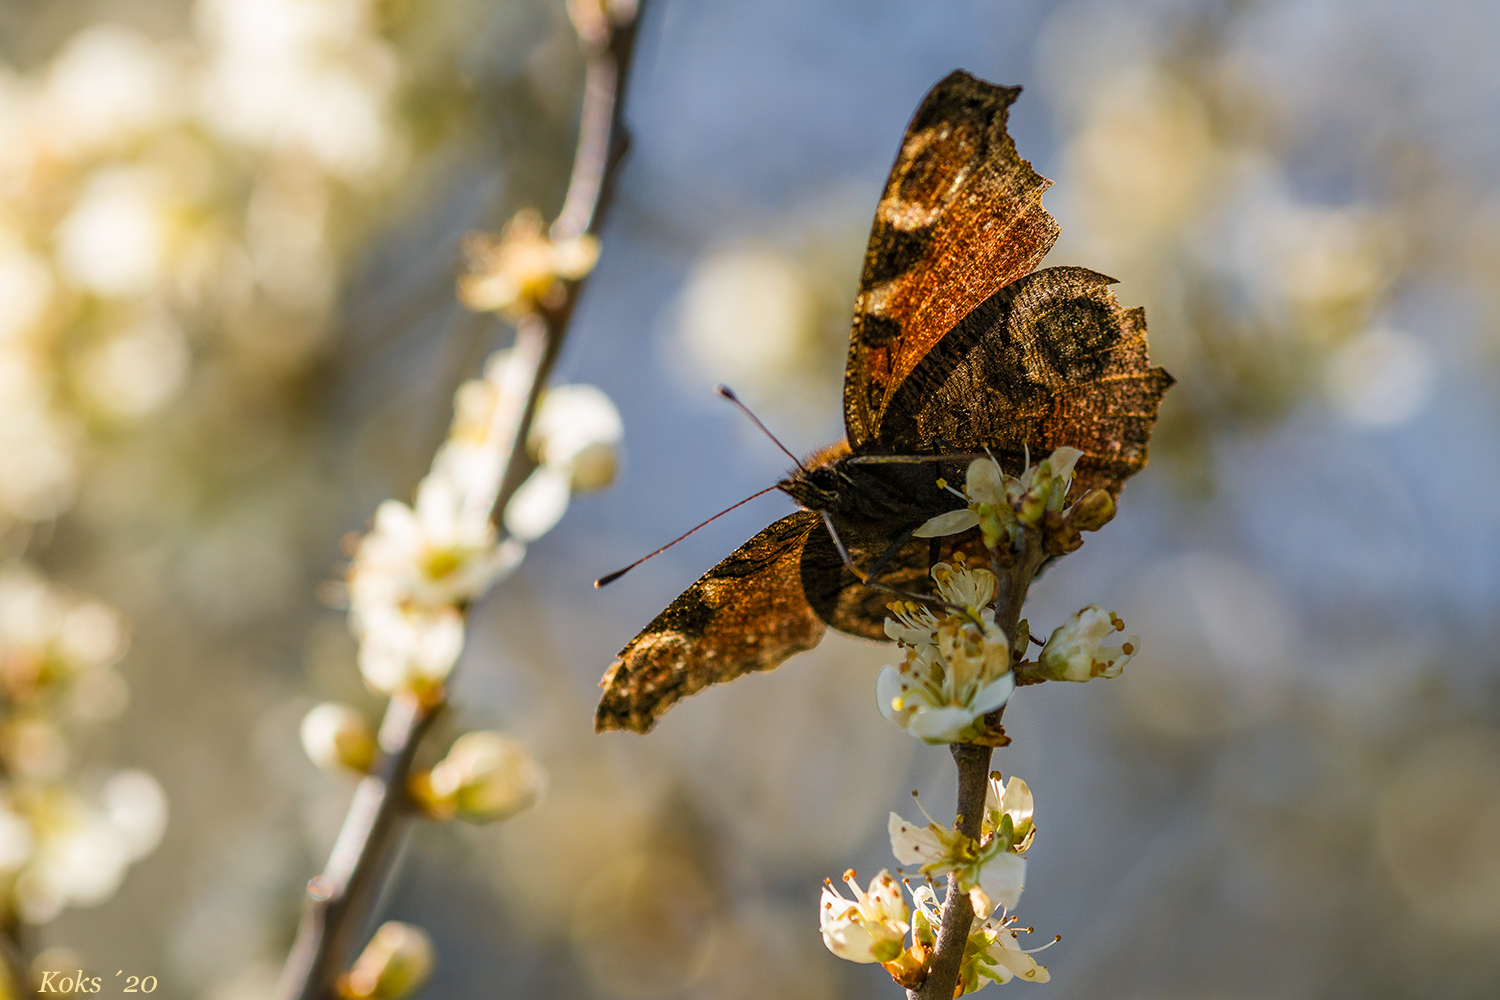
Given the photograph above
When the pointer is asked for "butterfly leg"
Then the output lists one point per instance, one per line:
(866, 578)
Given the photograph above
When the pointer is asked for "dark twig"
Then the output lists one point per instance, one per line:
(973, 762)
(339, 900)
(958, 913)
(14, 958)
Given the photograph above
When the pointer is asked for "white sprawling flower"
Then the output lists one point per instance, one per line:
(997, 956)
(989, 867)
(1075, 651)
(957, 668)
(870, 928)
(998, 501)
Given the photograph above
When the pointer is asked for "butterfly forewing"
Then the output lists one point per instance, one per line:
(961, 217)
(748, 613)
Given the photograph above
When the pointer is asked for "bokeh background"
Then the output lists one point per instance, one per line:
(229, 235)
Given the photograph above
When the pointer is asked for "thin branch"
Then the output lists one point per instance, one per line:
(958, 913)
(973, 779)
(339, 901)
(14, 959)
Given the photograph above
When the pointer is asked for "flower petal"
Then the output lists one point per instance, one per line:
(994, 694)
(912, 844)
(950, 523)
(940, 725)
(1003, 878)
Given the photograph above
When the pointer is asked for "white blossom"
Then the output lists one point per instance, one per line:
(996, 501)
(406, 647)
(1000, 957)
(575, 437)
(988, 866)
(956, 669)
(1009, 800)
(870, 928)
(1075, 651)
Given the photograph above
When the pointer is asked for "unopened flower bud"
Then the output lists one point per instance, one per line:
(485, 777)
(335, 736)
(395, 963)
(1033, 502)
(1059, 535)
(1093, 511)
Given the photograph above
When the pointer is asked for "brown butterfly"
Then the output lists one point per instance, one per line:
(957, 348)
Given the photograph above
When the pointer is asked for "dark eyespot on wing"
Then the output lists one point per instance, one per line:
(1051, 360)
(748, 613)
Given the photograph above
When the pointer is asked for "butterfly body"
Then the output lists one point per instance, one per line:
(958, 347)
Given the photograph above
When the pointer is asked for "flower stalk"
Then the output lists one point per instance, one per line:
(339, 900)
(958, 912)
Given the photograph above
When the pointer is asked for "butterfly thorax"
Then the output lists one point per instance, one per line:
(893, 496)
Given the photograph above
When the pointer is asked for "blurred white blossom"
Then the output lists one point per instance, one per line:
(336, 736)
(523, 268)
(397, 962)
(1381, 378)
(575, 438)
(114, 242)
(108, 85)
(407, 647)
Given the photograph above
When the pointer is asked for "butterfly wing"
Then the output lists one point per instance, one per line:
(961, 217)
(847, 604)
(748, 613)
(1050, 360)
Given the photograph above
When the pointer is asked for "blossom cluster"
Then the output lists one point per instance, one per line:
(416, 571)
(957, 666)
(873, 926)
(1002, 506)
(414, 575)
(523, 269)
(58, 846)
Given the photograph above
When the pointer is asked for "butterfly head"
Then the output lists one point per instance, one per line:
(820, 479)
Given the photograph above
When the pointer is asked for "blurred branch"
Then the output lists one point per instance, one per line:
(14, 958)
(339, 900)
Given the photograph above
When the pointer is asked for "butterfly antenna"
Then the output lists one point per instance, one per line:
(612, 577)
(728, 394)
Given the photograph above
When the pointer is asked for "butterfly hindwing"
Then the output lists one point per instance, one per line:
(1050, 360)
(960, 218)
(748, 613)
(847, 604)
